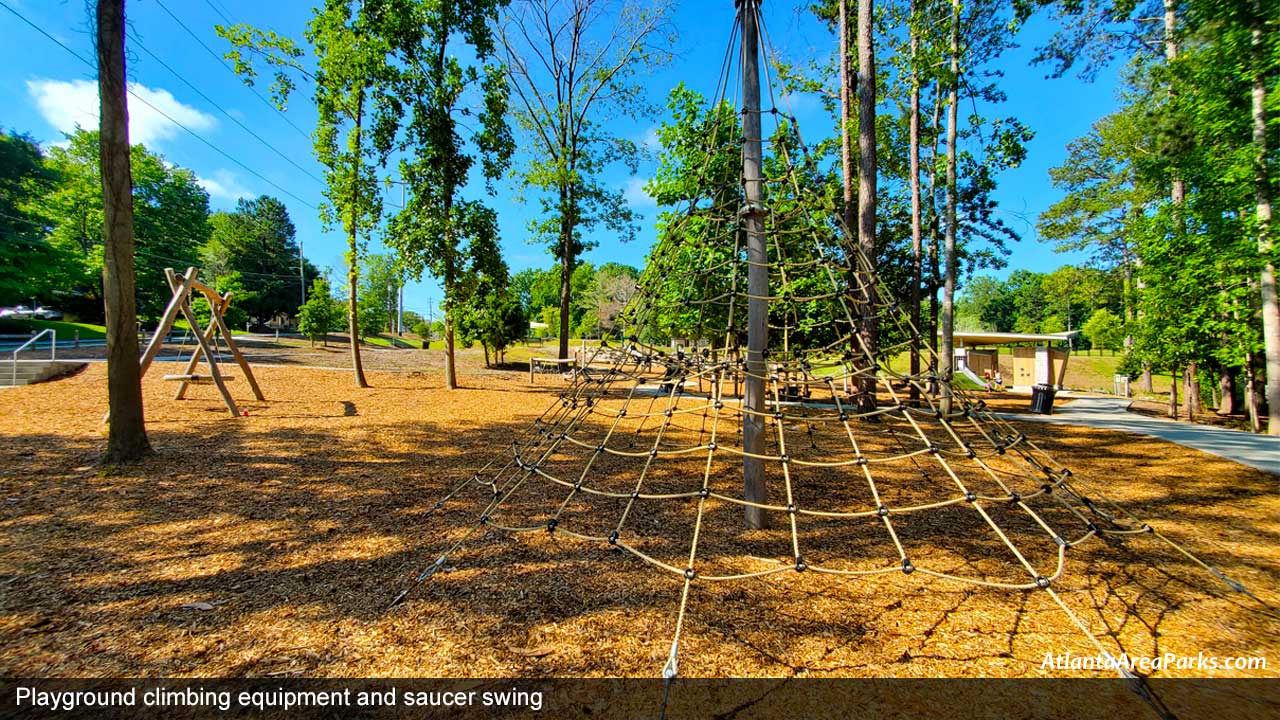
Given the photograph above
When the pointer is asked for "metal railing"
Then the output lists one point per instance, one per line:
(53, 349)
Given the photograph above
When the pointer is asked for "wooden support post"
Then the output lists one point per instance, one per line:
(235, 350)
(196, 354)
(213, 364)
(180, 293)
(755, 488)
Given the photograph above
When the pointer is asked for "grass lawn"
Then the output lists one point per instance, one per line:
(65, 330)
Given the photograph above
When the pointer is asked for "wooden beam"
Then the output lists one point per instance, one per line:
(235, 350)
(180, 292)
(195, 355)
(213, 364)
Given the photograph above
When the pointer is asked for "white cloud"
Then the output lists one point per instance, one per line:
(635, 194)
(224, 186)
(650, 139)
(66, 104)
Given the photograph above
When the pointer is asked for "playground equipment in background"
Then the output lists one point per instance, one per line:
(206, 340)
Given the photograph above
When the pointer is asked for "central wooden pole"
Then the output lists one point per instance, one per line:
(753, 432)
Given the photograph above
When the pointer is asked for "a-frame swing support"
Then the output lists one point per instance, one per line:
(180, 304)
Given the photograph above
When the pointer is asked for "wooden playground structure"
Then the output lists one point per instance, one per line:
(183, 289)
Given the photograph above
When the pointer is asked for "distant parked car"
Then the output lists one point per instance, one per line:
(45, 313)
(7, 312)
(21, 311)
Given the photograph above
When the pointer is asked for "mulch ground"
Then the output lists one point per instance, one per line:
(270, 545)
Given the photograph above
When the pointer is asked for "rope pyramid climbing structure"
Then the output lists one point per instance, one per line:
(760, 418)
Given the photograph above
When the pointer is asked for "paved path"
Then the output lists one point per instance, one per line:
(1110, 413)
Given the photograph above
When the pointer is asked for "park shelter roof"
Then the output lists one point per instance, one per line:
(964, 338)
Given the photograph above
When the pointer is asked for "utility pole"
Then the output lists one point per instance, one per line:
(400, 310)
(302, 276)
(755, 489)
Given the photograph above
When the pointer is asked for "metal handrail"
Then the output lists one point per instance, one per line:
(53, 349)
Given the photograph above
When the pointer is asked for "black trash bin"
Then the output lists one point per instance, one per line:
(1042, 399)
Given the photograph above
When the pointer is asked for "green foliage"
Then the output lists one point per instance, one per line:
(171, 220)
(257, 243)
(1104, 329)
(235, 316)
(495, 319)
(1030, 302)
(380, 287)
(35, 268)
(322, 313)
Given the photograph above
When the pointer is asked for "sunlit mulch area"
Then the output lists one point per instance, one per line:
(271, 545)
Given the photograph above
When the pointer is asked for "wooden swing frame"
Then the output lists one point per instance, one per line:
(183, 289)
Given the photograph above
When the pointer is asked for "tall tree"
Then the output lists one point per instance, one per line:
(1263, 66)
(36, 267)
(440, 231)
(258, 242)
(358, 111)
(127, 434)
(947, 350)
(170, 219)
(867, 169)
(572, 66)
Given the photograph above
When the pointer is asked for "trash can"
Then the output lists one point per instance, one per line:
(1042, 399)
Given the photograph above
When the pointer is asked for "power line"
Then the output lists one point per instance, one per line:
(162, 113)
(219, 11)
(224, 111)
(230, 69)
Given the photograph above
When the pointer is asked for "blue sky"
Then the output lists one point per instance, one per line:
(48, 91)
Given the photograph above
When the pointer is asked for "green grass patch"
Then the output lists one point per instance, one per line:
(65, 330)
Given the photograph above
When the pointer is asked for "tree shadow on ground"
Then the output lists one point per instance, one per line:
(299, 536)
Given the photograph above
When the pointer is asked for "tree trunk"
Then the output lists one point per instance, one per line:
(353, 265)
(1227, 389)
(127, 433)
(917, 239)
(1262, 195)
(846, 120)
(566, 267)
(1251, 393)
(1191, 390)
(450, 369)
(450, 360)
(949, 260)
(867, 167)
(935, 250)
(1173, 395)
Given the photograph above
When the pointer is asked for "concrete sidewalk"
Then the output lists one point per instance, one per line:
(1111, 413)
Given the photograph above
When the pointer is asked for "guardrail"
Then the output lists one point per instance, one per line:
(53, 349)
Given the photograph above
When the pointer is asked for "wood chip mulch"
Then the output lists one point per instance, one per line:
(270, 545)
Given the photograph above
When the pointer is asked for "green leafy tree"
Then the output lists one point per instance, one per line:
(495, 319)
(439, 231)
(358, 111)
(257, 242)
(380, 287)
(171, 219)
(572, 68)
(36, 268)
(322, 314)
(1104, 329)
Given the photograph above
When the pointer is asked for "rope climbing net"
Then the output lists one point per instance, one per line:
(873, 467)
